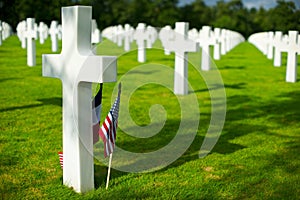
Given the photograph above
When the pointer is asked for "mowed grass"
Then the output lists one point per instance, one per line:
(256, 156)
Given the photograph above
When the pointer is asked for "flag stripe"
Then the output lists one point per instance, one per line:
(60, 154)
(108, 130)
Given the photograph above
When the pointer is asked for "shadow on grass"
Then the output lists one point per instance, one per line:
(142, 72)
(219, 86)
(56, 101)
(283, 110)
(100, 175)
(7, 79)
(276, 168)
(232, 67)
(9, 160)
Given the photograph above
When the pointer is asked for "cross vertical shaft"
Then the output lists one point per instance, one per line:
(77, 68)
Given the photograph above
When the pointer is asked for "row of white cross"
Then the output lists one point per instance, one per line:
(181, 40)
(223, 40)
(40, 31)
(5, 31)
(28, 31)
(273, 44)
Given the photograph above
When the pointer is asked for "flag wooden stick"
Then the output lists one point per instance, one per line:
(108, 173)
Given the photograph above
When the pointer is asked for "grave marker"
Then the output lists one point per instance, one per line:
(223, 41)
(1, 30)
(152, 36)
(278, 46)
(78, 67)
(59, 35)
(21, 32)
(53, 31)
(217, 49)
(140, 36)
(228, 42)
(270, 45)
(260, 41)
(127, 37)
(193, 34)
(292, 48)
(43, 32)
(164, 35)
(96, 35)
(206, 40)
(6, 31)
(31, 36)
(115, 34)
(181, 45)
(120, 32)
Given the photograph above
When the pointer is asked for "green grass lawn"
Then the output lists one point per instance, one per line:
(256, 157)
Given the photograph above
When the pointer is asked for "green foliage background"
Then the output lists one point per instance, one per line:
(231, 15)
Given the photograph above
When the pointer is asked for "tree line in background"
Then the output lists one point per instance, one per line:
(231, 15)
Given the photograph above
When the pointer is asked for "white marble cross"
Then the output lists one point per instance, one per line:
(21, 32)
(140, 36)
(206, 40)
(279, 44)
(233, 38)
(96, 35)
(164, 35)
(78, 67)
(217, 49)
(59, 30)
(270, 44)
(193, 34)
(114, 34)
(260, 41)
(120, 36)
(31, 36)
(292, 49)
(228, 40)
(43, 32)
(223, 41)
(1, 30)
(6, 30)
(53, 31)
(181, 45)
(128, 32)
(152, 36)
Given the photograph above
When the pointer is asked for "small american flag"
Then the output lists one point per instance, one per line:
(109, 127)
(60, 154)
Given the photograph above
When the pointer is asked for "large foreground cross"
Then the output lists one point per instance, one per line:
(77, 68)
